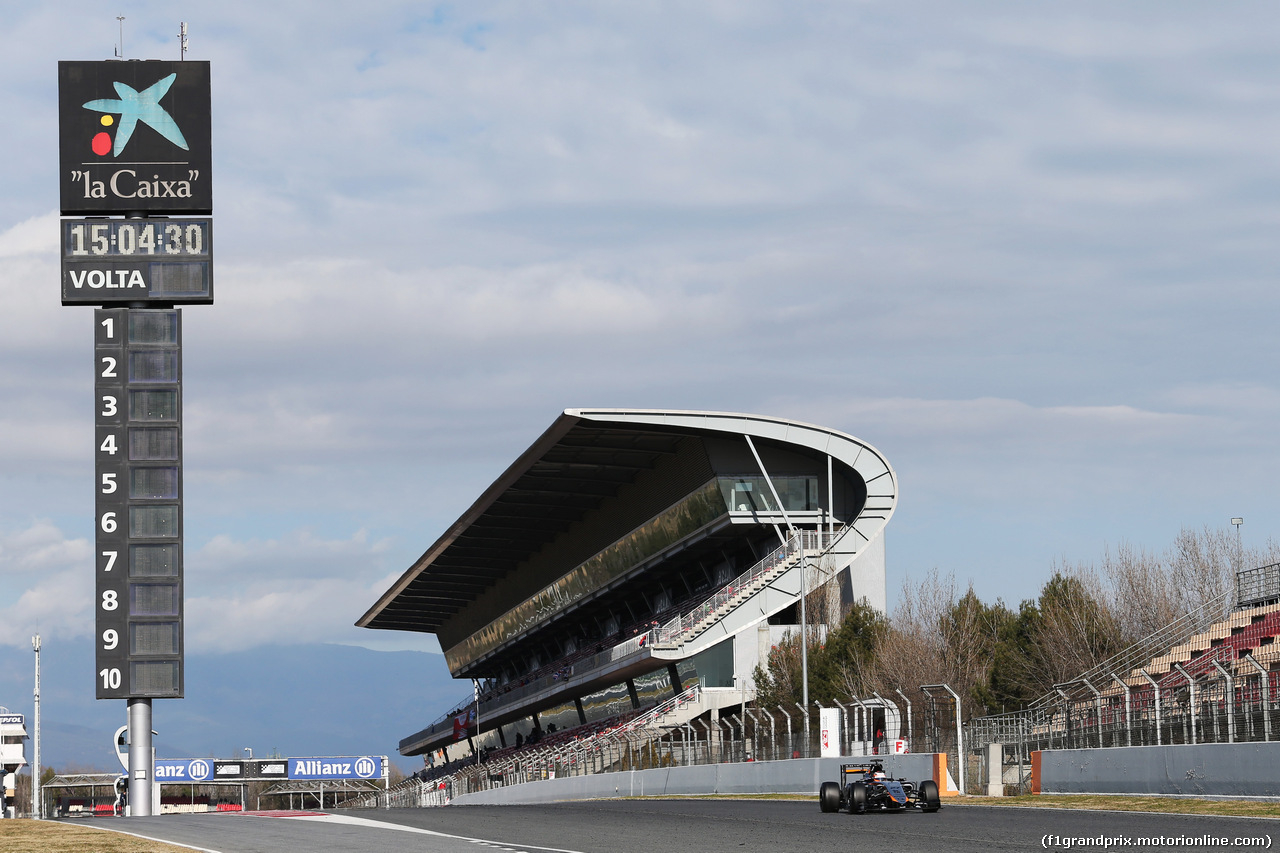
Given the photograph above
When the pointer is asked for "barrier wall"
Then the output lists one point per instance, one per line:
(796, 776)
(1209, 770)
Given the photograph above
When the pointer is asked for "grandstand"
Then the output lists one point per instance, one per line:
(628, 571)
(1211, 676)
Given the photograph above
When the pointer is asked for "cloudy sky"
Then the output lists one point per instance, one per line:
(1026, 250)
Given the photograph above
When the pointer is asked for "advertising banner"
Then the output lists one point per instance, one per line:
(210, 770)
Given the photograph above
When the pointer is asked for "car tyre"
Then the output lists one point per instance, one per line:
(857, 798)
(930, 801)
(829, 797)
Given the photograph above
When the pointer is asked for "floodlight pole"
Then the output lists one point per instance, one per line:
(804, 581)
(37, 797)
(476, 683)
(1239, 554)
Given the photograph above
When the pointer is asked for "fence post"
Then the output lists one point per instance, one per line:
(897, 713)
(908, 701)
(1155, 689)
(773, 735)
(1266, 697)
(848, 739)
(1128, 710)
(1098, 699)
(864, 717)
(1230, 701)
(1191, 704)
(804, 713)
(791, 744)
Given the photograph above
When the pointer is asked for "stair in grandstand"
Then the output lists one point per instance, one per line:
(688, 627)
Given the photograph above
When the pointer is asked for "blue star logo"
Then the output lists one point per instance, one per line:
(134, 106)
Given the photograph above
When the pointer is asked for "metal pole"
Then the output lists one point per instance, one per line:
(1230, 701)
(804, 714)
(1191, 686)
(908, 701)
(1097, 698)
(848, 739)
(897, 713)
(1266, 699)
(804, 576)
(1155, 688)
(139, 711)
(864, 716)
(1128, 708)
(476, 683)
(37, 796)
(831, 504)
(959, 738)
(1239, 554)
(791, 744)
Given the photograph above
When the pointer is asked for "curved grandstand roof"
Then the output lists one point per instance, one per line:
(583, 459)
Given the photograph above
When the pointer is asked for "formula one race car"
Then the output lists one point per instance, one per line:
(866, 787)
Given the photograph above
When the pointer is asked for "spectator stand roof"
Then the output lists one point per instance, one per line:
(583, 458)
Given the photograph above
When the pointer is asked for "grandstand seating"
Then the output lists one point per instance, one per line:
(1251, 630)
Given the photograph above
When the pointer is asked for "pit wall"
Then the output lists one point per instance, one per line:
(1206, 770)
(797, 776)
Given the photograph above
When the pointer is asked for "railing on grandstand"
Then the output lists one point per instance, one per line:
(1258, 586)
(1138, 654)
(1219, 695)
(786, 555)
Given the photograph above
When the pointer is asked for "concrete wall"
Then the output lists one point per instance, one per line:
(798, 776)
(1216, 770)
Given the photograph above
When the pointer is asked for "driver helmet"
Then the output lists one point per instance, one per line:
(879, 774)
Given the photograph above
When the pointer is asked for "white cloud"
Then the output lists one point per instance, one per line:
(1034, 241)
(39, 234)
(47, 584)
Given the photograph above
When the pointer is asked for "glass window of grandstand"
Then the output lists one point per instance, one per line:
(752, 494)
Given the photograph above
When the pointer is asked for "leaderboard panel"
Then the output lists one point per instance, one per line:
(138, 479)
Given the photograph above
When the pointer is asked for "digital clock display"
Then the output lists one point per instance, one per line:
(158, 261)
(135, 238)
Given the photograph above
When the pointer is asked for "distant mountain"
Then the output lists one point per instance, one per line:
(296, 700)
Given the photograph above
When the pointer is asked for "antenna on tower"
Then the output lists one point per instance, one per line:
(120, 46)
(182, 40)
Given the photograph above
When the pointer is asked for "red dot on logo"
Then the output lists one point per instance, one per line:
(101, 143)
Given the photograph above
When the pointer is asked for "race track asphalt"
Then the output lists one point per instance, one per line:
(693, 826)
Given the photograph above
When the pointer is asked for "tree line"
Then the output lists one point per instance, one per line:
(996, 656)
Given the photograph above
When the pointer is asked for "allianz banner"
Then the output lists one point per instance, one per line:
(209, 770)
(364, 767)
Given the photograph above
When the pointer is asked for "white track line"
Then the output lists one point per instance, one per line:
(363, 821)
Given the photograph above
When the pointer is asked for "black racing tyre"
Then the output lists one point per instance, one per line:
(857, 798)
(829, 797)
(929, 799)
